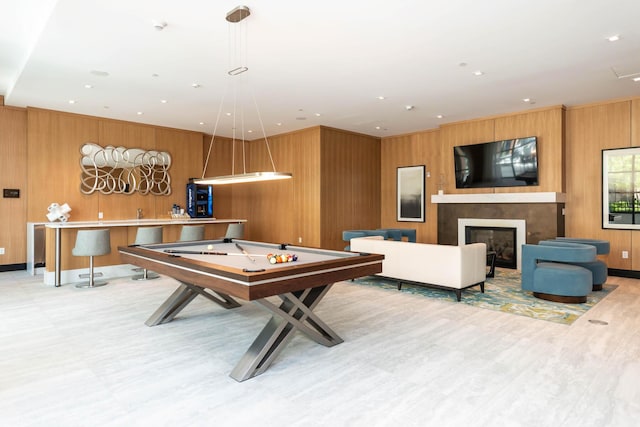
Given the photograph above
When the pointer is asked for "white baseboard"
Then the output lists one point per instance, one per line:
(72, 276)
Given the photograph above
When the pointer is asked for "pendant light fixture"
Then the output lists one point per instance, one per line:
(237, 70)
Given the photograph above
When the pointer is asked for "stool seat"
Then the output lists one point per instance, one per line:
(234, 231)
(147, 236)
(92, 243)
(189, 233)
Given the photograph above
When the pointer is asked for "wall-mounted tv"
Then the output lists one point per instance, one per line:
(507, 163)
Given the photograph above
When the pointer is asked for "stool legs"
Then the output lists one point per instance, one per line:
(91, 283)
(145, 275)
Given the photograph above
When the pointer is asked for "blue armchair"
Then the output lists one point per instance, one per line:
(598, 268)
(550, 272)
(399, 233)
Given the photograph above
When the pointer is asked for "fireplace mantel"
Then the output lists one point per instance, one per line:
(538, 197)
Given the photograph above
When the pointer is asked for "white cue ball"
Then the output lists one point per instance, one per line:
(209, 247)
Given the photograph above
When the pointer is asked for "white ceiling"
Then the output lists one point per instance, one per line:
(328, 57)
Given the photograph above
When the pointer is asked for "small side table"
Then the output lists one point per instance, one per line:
(491, 262)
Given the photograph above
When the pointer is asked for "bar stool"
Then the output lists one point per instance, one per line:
(234, 231)
(147, 236)
(190, 233)
(92, 243)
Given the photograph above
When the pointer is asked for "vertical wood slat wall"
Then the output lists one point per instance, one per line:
(590, 128)
(54, 175)
(335, 186)
(13, 174)
(421, 148)
(350, 185)
(435, 150)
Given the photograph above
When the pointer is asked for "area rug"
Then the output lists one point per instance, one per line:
(501, 293)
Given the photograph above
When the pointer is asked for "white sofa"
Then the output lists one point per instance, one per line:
(441, 266)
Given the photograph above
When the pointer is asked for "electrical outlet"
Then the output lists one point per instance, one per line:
(100, 215)
(625, 254)
(1, 251)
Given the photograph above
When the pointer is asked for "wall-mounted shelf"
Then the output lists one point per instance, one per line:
(546, 197)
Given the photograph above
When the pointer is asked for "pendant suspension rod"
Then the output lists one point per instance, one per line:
(215, 130)
(264, 133)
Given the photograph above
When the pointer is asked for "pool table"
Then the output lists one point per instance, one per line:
(222, 270)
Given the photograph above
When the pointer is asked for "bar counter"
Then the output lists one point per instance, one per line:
(57, 227)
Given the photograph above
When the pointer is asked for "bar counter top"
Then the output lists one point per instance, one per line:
(136, 222)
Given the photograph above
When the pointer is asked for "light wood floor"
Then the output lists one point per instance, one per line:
(71, 357)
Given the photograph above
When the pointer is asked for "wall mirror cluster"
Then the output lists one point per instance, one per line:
(621, 188)
(120, 170)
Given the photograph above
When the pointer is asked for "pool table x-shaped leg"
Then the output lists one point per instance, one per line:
(295, 312)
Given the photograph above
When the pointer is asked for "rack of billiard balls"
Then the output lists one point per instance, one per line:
(281, 258)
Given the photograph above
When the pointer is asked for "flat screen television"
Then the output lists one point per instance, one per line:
(507, 163)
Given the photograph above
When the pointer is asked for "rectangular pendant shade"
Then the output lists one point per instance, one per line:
(244, 177)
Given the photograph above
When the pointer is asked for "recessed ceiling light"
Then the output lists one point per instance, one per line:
(636, 79)
(381, 98)
(478, 73)
(318, 114)
(250, 131)
(614, 38)
(202, 123)
(164, 101)
(278, 124)
(378, 127)
(139, 113)
(228, 114)
(196, 85)
(409, 107)
(72, 101)
(159, 25)
(526, 99)
(439, 116)
(88, 86)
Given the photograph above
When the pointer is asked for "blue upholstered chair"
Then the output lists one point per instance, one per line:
(399, 233)
(347, 235)
(551, 273)
(598, 268)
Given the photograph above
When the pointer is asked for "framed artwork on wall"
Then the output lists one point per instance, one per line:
(410, 193)
(621, 188)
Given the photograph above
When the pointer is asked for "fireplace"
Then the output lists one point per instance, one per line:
(499, 230)
(501, 240)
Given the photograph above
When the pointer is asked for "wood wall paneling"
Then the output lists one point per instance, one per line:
(13, 174)
(219, 152)
(635, 142)
(463, 133)
(430, 147)
(53, 140)
(588, 131)
(284, 211)
(185, 148)
(547, 126)
(128, 135)
(350, 184)
(421, 148)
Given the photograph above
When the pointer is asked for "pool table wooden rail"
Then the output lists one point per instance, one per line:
(252, 285)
